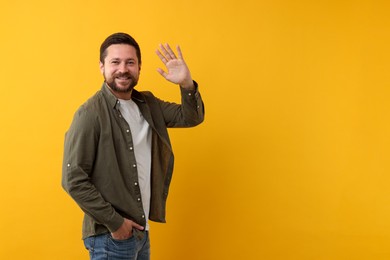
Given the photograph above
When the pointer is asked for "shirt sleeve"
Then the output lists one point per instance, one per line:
(81, 142)
(189, 113)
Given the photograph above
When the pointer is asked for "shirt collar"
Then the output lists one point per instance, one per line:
(113, 100)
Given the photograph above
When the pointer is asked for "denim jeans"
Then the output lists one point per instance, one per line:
(104, 247)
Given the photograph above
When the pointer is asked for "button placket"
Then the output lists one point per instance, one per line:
(133, 178)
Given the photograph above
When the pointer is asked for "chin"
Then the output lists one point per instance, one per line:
(120, 88)
(125, 89)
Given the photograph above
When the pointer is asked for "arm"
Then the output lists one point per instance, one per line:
(191, 110)
(188, 114)
(81, 143)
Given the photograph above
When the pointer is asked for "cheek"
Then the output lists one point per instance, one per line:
(135, 72)
(107, 72)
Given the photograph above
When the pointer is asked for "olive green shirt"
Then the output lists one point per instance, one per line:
(99, 168)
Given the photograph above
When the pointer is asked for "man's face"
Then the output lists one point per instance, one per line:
(121, 69)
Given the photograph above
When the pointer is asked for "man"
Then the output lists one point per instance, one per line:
(118, 160)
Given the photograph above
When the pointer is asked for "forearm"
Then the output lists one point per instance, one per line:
(189, 113)
(89, 199)
(192, 106)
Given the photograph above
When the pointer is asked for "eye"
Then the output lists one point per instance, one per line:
(114, 62)
(130, 62)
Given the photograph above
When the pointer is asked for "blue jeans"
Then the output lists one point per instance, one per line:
(104, 247)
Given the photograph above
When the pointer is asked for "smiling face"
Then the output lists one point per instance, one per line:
(121, 69)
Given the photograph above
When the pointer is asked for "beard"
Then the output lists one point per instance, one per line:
(114, 86)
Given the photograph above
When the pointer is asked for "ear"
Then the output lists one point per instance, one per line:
(101, 65)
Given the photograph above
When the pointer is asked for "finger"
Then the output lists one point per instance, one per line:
(162, 72)
(179, 52)
(170, 51)
(161, 56)
(166, 53)
(137, 226)
(163, 53)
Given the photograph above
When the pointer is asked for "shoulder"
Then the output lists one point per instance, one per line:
(94, 103)
(90, 111)
(145, 93)
(144, 96)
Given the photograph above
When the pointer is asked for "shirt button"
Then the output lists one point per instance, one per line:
(131, 148)
(135, 183)
(189, 94)
(127, 130)
(68, 164)
(143, 216)
(134, 165)
(139, 199)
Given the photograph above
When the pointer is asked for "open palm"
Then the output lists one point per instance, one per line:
(178, 71)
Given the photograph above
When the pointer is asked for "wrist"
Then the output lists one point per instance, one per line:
(188, 85)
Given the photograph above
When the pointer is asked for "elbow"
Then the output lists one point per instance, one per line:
(200, 116)
(194, 121)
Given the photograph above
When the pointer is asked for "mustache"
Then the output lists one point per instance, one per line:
(125, 74)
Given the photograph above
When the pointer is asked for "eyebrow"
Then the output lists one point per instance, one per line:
(130, 59)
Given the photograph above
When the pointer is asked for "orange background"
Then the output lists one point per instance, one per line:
(292, 161)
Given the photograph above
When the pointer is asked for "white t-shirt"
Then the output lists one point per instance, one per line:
(142, 141)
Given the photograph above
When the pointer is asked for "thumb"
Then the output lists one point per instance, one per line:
(162, 72)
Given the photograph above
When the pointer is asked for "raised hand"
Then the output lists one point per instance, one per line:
(178, 71)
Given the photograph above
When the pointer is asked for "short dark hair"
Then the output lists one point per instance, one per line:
(119, 38)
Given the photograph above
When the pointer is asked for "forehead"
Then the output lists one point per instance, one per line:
(121, 51)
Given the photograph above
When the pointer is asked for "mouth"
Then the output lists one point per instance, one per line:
(123, 78)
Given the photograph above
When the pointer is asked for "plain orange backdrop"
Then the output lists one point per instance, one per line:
(292, 161)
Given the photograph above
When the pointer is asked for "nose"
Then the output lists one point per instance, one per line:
(122, 67)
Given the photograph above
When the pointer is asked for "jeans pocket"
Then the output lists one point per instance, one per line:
(122, 240)
(122, 249)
